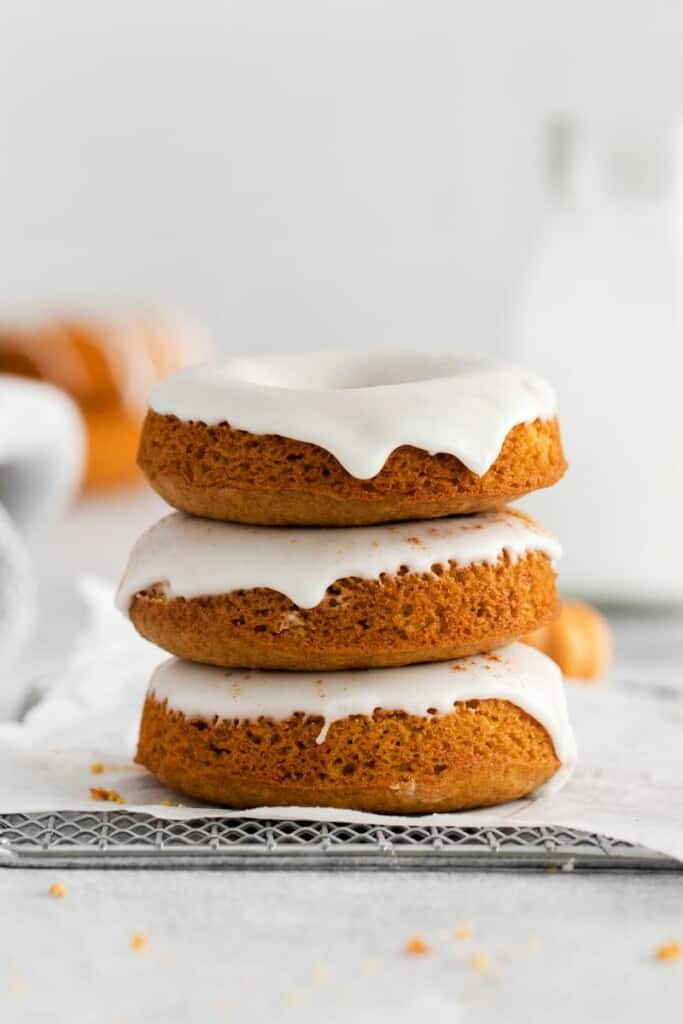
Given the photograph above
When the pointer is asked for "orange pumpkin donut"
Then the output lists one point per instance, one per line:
(340, 439)
(309, 599)
(442, 737)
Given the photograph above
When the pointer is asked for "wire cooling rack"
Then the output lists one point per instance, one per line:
(120, 839)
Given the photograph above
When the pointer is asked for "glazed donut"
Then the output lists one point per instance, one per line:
(579, 641)
(441, 737)
(340, 439)
(108, 366)
(310, 599)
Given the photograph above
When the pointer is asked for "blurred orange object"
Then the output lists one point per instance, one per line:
(108, 365)
(579, 641)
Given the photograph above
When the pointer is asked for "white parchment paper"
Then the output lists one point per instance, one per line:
(627, 785)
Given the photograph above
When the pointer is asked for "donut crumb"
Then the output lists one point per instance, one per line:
(138, 942)
(669, 952)
(106, 795)
(463, 933)
(97, 768)
(480, 962)
(57, 891)
(416, 946)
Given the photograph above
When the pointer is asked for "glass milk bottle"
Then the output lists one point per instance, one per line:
(599, 313)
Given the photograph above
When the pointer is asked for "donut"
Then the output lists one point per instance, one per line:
(579, 641)
(108, 366)
(309, 599)
(335, 439)
(439, 737)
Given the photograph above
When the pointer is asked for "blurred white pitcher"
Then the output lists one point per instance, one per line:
(599, 314)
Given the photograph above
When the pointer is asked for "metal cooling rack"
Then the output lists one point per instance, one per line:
(121, 839)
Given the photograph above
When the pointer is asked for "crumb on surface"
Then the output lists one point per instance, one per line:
(669, 952)
(294, 998)
(480, 962)
(463, 933)
(138, 942)
(97, 768)
(321, 973)
(106, 795)
(416, 946)
(171, 803)
(57, 891)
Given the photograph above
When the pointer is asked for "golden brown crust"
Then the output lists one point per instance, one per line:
(486, 752)
(221, 473)
(395, 620)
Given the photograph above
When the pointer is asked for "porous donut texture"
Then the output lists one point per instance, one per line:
(222, 473)
(395, 620)
(485, 752)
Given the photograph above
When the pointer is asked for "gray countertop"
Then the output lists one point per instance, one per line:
(314, 946)
(329, 947)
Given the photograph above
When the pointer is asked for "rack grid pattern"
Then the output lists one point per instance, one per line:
(122, 839)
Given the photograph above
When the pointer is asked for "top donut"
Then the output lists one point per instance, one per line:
(339, 439)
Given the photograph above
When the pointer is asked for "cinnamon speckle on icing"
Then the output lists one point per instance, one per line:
(524, 677)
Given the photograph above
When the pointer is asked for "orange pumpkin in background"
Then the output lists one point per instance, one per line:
(108, 365)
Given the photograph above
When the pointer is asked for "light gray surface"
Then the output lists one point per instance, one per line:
(328, 947)
(323, 947)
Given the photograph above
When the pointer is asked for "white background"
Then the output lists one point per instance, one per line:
(302, 174)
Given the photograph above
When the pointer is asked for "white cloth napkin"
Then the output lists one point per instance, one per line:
(42, 445)
(41, 457)
(17, 595)
(627, 784)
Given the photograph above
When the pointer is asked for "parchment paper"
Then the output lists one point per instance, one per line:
(627, 785)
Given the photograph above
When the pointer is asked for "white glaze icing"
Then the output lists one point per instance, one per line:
(361, 407)
(517, 673)
(194, 557)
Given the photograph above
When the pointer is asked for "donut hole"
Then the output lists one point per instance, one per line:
(333, 371)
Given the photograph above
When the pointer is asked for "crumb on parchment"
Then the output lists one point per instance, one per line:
(97, 768)
(138, 942)
(416, 946)
(57, 891)
(106, 795)
(463, 933)
(370, 967)
(480, 962)
(669, 952)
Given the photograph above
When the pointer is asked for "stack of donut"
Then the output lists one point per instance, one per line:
(343, 587)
